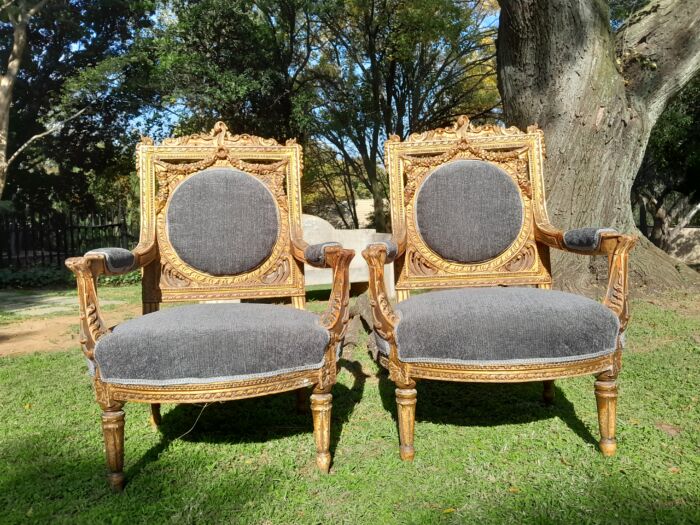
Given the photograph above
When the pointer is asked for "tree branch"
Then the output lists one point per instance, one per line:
(36, 137)
(660, 51)
(684, 222)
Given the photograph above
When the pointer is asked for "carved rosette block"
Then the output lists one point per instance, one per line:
(321, 405)
(406, 411)
(523, 260)
(418, 264)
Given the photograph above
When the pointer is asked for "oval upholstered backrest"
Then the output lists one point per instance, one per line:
(222, 221)
(468, 211)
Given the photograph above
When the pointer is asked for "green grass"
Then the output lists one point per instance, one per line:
(484, 453)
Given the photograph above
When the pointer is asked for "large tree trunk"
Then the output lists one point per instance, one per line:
(597, 96)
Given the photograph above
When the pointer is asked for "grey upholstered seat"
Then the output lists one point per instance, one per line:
(206, 343)
(513, 325)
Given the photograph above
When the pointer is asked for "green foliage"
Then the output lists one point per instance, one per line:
(484, 453)
(76, 58)
(35, 277)
(242, 62)
(53, 276)
(674, 144)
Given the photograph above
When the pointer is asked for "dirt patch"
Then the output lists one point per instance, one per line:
(53, 334)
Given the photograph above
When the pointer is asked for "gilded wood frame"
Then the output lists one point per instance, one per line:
(525, 262)
(161, 168)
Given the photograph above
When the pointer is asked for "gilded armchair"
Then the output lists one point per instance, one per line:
(220, 220)
(470, 223)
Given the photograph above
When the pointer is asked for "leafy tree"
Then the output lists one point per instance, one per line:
(244, 62)
(668, 184)
(392, 67)
(74, 67)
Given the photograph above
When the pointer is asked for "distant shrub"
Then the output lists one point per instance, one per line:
(53, 276)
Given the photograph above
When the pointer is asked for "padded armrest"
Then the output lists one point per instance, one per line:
(315, 254)
(117, 260)
(585, 239)
(392, 249)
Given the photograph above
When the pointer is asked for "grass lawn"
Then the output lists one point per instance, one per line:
(484, 453)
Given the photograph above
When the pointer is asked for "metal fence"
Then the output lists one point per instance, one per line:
(31, 239)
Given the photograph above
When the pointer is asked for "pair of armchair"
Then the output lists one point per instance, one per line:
(221, 220)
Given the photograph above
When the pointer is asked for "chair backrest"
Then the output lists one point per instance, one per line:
(467, 199)
(220, 209)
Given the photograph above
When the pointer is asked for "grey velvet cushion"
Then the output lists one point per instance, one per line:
(206, 343)
(492, 325)
(117, 260)
(586, 239)
(222, 221)
(315, 254)
(468, 211)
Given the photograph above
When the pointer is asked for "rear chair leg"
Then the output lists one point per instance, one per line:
(606, 399)
(303, 400)
(548, 392)
(113, 432)
(406, 408)
(321, 404)
(155, 415)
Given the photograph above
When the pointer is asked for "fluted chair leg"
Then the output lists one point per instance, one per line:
(113, 432)
(321, 410)
(606, 399)
(406, 407)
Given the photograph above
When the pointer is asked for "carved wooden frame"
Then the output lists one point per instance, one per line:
(526, 262)
(279, 167)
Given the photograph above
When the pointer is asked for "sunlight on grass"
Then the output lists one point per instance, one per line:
(484, 453)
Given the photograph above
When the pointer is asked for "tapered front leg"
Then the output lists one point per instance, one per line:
(321, 404)
(606, 399)
(113, 432)
(406, 407)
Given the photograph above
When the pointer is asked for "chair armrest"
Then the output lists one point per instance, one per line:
(598, 241)
(335, 317)
(103, 261)
(394, 247)
(312, 254)
(385, 319)
(116, 260)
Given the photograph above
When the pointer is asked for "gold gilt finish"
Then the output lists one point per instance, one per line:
(525, 262)
(167, 278)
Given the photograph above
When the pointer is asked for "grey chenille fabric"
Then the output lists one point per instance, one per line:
(586, 239)
(392, 250)
(117, 260)
(222, 221)
(502, 325)
(205, 343)
(315, 254)
(468, 211)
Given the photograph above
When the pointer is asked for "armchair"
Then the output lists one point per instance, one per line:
(220, 220)
(468, 209)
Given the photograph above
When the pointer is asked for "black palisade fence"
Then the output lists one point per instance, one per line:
(47, 239)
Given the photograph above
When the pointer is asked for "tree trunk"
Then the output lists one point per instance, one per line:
(558, 67)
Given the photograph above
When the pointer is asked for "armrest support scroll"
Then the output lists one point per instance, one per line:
(598, 241)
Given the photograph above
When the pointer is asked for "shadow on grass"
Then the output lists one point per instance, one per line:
(258, 419)
(486, 404)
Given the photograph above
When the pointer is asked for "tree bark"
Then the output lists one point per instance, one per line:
(596, 95)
